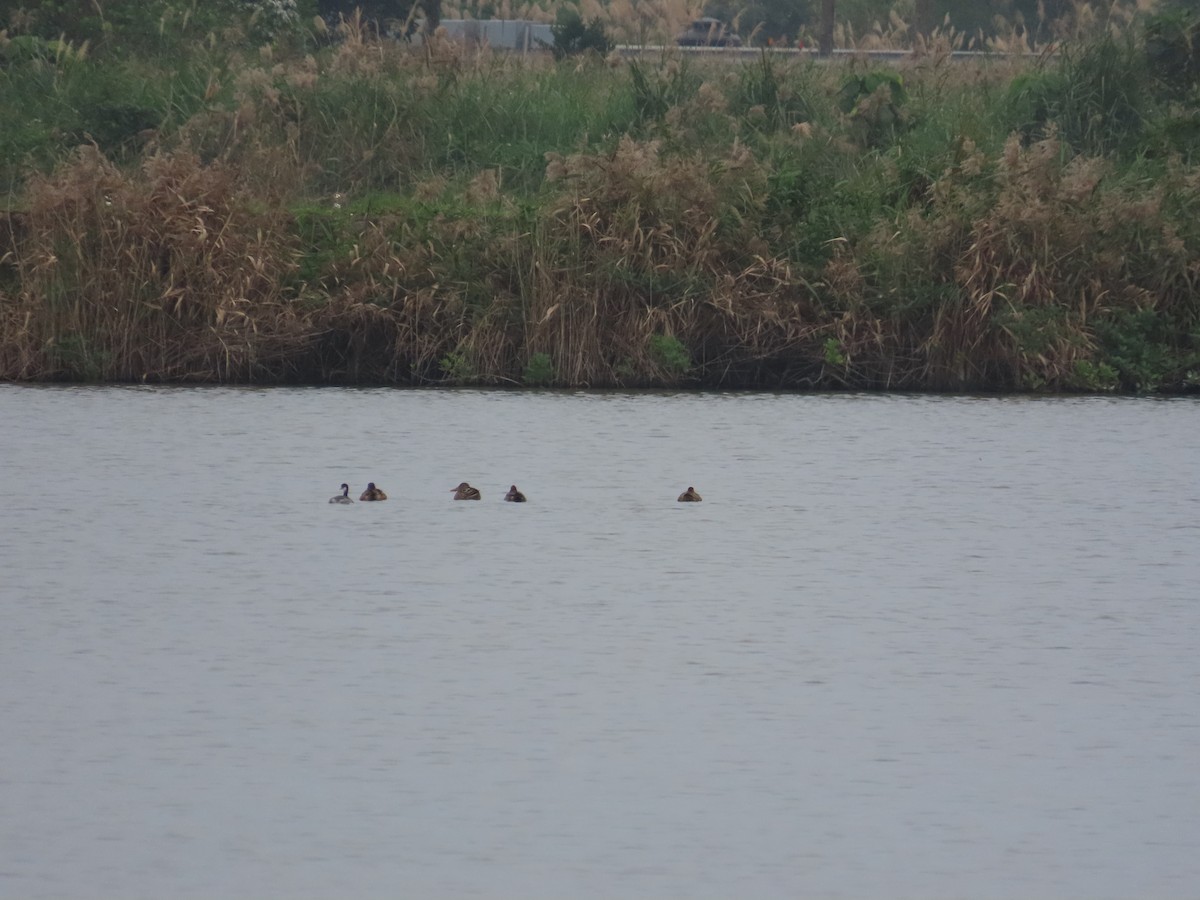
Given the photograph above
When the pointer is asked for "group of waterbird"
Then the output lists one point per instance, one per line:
(371, 493)
(465, 492)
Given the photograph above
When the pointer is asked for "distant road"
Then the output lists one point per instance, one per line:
(633, 51)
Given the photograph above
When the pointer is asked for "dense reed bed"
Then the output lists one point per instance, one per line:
(378, 213)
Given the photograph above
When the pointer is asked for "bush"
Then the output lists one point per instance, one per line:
(1137, 343)
(1173, 51)
(874, 102)
(539, 371)
(457, 368)
(670, 355)
(571, 36)
(1096, 96)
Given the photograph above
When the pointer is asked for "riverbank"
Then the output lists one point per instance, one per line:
(372, 213)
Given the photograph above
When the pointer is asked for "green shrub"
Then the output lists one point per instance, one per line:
(457, 368)
(834, 356)
(1173, 51)
(539, 371)
(1095, 377)
(572, 36)
(874, 103)
(1096, 96)
(670, 355)
(1138, 346)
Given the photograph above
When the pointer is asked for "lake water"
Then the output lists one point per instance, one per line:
(906, 647)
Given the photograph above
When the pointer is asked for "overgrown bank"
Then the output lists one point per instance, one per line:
(372, 213)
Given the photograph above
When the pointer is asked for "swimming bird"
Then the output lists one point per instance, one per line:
(343, 497)
(514, 496)
(373, 493)
(465, 492)
(690, 496)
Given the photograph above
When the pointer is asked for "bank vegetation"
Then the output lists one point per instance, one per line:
(367, 211)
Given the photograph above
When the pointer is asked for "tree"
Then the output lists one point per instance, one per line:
(433, 14)
(827, 12)
(385, 16)
(766, 20)
(148, 26)
(572, 36)
(923, 17)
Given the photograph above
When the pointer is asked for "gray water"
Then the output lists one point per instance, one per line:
(906, 647)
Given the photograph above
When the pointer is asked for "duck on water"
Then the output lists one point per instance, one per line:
(373, 493)
(465, 492)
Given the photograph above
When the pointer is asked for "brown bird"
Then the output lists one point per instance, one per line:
(690, 496)
(373, 493)
(514, 496)
(465, 492)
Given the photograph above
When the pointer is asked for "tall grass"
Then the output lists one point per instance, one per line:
(167, 273)
(372, 212)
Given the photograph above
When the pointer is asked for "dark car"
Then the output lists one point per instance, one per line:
(707, 32)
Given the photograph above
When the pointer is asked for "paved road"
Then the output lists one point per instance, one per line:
(733, 53)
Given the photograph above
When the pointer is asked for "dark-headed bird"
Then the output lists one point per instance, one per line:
(373, 493)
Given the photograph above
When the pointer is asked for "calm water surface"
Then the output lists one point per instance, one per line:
(906, 647)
